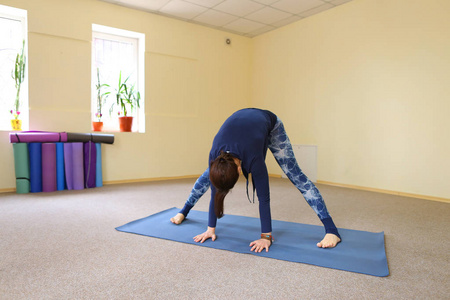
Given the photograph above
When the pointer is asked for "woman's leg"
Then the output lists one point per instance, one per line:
(282, 150)
(200, 187)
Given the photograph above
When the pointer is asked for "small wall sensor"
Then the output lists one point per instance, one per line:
(228, 41)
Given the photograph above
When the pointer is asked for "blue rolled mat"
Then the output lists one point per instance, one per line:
(98, 166)
(35, 151)
(68, 165)
(60, 177)
(360, 251)
(90, 157)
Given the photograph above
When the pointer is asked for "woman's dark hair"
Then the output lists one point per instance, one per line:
(223, 174)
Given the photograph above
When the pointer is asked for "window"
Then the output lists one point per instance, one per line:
(117, 52)
(13, 33)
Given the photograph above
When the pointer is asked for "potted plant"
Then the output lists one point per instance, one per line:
(101, 99)
(18, 74)
(127, 97)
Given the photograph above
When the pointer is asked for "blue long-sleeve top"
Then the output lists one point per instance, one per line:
(245, 135)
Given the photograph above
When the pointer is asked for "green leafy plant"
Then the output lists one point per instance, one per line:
(101, 96)
(127, 97)
(18, 74)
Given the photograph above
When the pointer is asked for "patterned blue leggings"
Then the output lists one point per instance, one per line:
(200, 187)
(281, 148)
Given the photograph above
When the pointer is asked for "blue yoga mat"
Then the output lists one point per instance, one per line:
(98, 166)
(60, 177)
(35, 150)
(359, 251)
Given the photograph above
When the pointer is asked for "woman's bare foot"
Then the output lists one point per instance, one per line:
(329, 241)
(177, 219)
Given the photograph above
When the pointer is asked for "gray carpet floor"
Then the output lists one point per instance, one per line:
(63, 245)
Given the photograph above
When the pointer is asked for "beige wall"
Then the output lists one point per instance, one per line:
(193, 82)
(369, 83)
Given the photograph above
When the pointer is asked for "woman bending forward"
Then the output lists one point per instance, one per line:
(241, 146)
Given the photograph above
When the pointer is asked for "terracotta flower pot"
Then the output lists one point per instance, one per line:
(125, 124)
(97, 126)
(16, 124)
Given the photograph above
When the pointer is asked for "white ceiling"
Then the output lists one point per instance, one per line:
(244, 17)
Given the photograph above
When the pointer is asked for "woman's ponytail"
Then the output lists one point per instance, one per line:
(219, 198)
(223, 174)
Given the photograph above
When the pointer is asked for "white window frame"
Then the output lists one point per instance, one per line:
(138, 39)
(20, 15)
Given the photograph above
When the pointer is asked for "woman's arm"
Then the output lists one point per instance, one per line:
(261, 181)
(212, 222)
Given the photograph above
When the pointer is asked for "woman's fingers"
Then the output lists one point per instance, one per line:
(204, 236)
(198, 238)
(260, 245)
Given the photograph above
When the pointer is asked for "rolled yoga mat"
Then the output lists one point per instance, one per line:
(98, 166)
(48, 167)
(37, 137)
(78, 166)
(90, 158)
(22, 168)
(93, 137)
(35, 152)
(68, 165)
(60, 176)
(74, 165)
(360, 251)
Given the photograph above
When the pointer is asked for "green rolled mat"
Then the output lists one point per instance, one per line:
(22, 168)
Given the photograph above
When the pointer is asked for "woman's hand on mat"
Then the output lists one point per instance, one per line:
(177, 219)
(209, 233)
(260, 245)
(329, 241)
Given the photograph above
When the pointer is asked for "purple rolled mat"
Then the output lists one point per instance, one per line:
(90, 159)
(78, 166)
(37, 137)
(68, 165)
(48, 167)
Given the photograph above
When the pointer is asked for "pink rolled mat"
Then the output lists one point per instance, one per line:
(78, 166)
(48, 167)
(37, 137)
(68, 165)
(50, 137)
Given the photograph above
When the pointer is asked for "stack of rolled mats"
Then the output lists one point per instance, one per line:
(54, 161)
